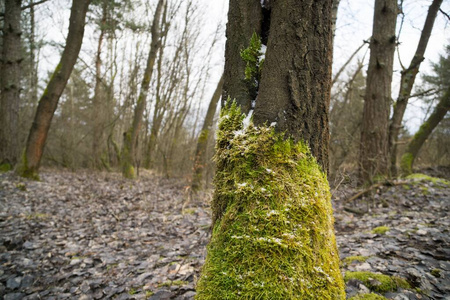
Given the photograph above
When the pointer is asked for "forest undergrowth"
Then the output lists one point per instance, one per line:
(92, 235)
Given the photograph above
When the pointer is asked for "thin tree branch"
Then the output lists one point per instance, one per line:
(2, 15)
(335, 78)
(445, 14)
(33, 4)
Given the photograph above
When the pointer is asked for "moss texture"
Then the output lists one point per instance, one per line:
(23, 170)
(380, 230)
(378, 282)
(126, 159)
(406, 163)
(348, 260)
(371, 296)
(273, 235)
(5, 167)
(423, 177)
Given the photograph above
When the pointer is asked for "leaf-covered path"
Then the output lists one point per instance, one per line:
(96, 236)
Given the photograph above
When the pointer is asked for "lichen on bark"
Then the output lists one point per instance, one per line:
(273, 234)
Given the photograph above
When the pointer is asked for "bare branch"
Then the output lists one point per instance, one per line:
(445, 14)
(335, 78)
(33, 4)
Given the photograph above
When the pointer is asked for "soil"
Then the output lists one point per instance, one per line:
(90, 235)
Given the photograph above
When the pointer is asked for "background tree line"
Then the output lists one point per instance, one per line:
(140, 89)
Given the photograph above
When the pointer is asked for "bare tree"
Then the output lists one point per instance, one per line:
(424, 132)
(202, 142)
(374, 154)
(407, 82)
(131, 136)
(30, 162)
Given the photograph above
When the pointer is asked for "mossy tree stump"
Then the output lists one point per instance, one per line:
(273, 234)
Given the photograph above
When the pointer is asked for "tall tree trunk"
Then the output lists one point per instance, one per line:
(424, 132)
(295, 88)
(131, 136)
(244, 19)
(374, 154)
(10, 84)
(407, 82)
(48, 103)
(202, 142)
(273, 234)
(98, 100)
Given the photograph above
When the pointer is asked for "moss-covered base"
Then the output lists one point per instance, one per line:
(128, 171)
(127, 159)
(23, 170)
(273, 236)
(406, 163)
(378, 282)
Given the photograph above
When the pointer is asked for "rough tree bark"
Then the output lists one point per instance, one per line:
(424, 132)
(407, 82)
(10, 84)
(374, 154)
(273, 234)
(295, 88)
(202, 142)
(29, 164)
(131, 136)
(244, 19)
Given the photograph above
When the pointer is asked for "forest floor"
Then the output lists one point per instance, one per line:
(89, 235)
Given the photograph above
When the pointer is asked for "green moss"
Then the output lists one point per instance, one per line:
(173, 283)
(23, 170)
(406, 163)
(188, 211)
(423, 177)
(371, 296)
(378, 282)
(21, 186)
(5, 168)
(380, 230)
(436, 273)
(126, 159)
(37, 216)
(252, 57)
(350, 259)
(273, 234)
(148, 293)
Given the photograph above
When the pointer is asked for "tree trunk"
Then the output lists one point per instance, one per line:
(407, 82)
(244, 19)
(202, 142)
(273, 234)
(10, 84)
(131, 136)
(424, 132)
(98, 110)
(31, 159)
(374, 154)
(295, 88)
